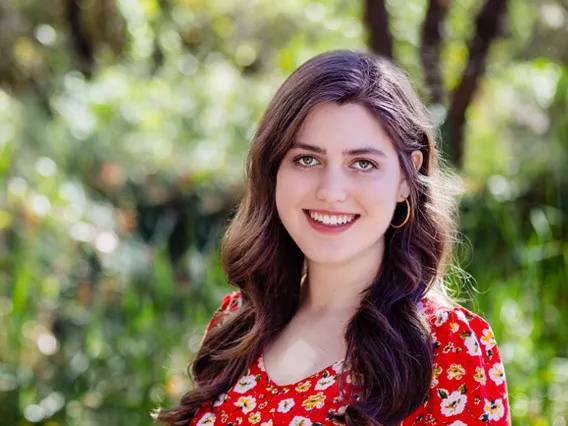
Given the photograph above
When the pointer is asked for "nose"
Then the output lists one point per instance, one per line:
(332, 187)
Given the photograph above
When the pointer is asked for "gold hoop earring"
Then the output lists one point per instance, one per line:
(407, 216)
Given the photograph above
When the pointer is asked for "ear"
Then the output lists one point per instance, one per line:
(417, 160)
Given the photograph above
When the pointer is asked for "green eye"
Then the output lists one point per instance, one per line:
(365, 165)
(306, 161)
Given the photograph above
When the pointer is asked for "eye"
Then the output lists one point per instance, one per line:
(364, 165)
(305, 161)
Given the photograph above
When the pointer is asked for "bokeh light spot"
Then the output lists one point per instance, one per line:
(46, 35)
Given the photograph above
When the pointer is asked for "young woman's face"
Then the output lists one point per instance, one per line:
(337, 188)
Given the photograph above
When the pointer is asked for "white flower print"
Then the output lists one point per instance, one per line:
(254, 418)
(285, 405)
(488, 339)
(453, 404)
(245, 384)
(246, 403)
(494, 409)
(304, 386)
(456, 371)
(316, 401)
(461, 316)
(497, 374)
(458, 423)
(472, 346)
(268, 423)
(338, 366)
(479, 375)
(300, 421)
(236, 301)
(261, 364)
(207, 419)
(436, 371)
(220, 399)
(441, 317)
(324, 383)
(351, 378)
(434, 338)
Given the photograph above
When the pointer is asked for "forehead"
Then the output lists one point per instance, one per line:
(347, 126)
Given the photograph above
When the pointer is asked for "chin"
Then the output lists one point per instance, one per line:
(327, 256)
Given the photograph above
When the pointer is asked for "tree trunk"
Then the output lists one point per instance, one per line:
(432, 32)
(488, 28)
(376, 19)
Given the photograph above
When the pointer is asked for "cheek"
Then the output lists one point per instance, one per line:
(380, 197)
(291, 187)
(285, 191)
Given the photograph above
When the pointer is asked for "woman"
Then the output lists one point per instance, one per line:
(339, 250)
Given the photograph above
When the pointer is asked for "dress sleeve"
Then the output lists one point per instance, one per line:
(468, 386)
(231, 303)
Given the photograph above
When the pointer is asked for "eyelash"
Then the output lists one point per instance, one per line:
(299, 158)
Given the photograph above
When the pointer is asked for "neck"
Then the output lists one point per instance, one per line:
(338, 287)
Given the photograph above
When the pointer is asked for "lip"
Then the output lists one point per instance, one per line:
(329, 229)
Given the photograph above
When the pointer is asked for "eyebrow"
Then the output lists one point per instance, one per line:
(351, 152)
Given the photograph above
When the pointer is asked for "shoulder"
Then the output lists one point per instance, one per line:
(465, 332)
(231, 303)
(468, 380)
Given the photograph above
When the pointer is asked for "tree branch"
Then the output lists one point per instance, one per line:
(376, 19)
(82, 46)
(430, 48)
(488, 28)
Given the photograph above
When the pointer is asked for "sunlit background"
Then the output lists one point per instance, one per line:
(123, 128)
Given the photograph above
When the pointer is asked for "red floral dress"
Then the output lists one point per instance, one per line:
(468, 386)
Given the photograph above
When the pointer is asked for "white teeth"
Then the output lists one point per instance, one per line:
(332, 220)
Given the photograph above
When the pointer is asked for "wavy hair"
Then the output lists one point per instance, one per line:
(388, 340)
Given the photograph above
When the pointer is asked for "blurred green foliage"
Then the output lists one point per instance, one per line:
(121, 153)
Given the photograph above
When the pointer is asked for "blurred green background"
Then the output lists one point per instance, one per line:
(123, 129)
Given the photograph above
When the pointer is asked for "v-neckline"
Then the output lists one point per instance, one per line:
(340, 369)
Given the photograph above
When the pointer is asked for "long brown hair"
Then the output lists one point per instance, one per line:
(388, 340)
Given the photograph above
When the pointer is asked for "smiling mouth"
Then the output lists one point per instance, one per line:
(331, 220)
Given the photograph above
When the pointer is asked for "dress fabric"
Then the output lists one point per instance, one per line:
(468, 386)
